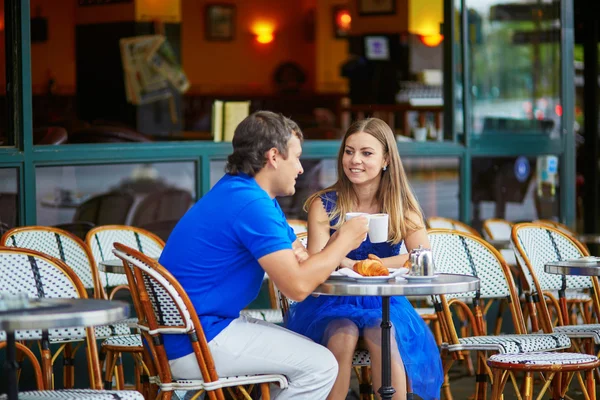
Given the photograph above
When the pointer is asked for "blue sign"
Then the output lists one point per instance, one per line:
(552, 166)
(522, 169)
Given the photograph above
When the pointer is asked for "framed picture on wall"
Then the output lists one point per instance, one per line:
(220, 21)
(376, 7)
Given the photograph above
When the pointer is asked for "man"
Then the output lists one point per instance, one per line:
(221, 248)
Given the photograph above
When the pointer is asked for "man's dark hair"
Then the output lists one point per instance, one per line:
(257, 134)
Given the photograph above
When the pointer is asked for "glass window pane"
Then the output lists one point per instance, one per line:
(435, 182)
(152, 196)
(515, 188)
(514, 54)
(9, 199)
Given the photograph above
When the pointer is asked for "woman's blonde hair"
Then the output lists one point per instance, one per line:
(394, 195)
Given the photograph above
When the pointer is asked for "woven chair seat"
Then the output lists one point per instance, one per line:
(80, 394)
(542, 359)
(512, 343)
(70, 334)
(586, 331)
(266, 314)
(125, 341)
(186, 384)
(361, 358)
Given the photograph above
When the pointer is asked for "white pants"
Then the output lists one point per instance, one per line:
(250, 346)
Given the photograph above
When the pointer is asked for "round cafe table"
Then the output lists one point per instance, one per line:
(53, 313)
(442, 284)
(564, 268)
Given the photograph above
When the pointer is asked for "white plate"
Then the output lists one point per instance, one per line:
(584, 260)
(348, 274)
(420, 278)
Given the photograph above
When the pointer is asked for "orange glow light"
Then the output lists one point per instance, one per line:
(432, 40)
(264, 32)
(344, 20)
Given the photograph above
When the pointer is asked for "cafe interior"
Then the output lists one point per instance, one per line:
(116, 116)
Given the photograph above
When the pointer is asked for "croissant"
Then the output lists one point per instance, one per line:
(371, 267)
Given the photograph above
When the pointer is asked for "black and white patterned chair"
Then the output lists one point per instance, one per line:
(449, 223)
(40, 276)
(552, 365)
(164, 307)
(457, 252)
(537, 245)
(79, 394)
(100, 241)
(75, 253)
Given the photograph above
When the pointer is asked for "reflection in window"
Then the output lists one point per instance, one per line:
(151, 196)
(9, 199)
(515, 188)
(515, 66)
(435, 184)
(434, 181)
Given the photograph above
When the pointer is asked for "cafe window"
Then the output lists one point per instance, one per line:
(514, 54)
(151, 196)
(9, 199)
(6, 138)
(516, 188)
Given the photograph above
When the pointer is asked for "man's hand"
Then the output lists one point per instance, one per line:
(353, 232)
(299, 251)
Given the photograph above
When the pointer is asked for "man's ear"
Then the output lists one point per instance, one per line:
(272, 157)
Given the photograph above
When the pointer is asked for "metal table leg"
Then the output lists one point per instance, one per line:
(11, 366)
(386, 391)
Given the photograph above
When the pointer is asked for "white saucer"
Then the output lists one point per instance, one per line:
(420, 278)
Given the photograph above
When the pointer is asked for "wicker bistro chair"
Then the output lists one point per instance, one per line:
(457, 252)
(100, 240)
(73, 252)
(41, 276)
(449, 223)
(553, 364)
(535, 246)
(164, 307)
(298, 225)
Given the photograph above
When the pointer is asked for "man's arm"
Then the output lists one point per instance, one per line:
(298, 280)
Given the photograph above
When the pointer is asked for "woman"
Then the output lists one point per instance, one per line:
(371, 179)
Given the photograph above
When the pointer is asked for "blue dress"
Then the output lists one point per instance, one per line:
(417, 347)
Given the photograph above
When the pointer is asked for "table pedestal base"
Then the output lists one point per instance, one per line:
(11, 367)
(386, 391)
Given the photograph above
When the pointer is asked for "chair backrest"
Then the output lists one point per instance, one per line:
(100, 240)
(162, 229)
(59, 244)
(42, 276)
(555, 224)
(536, 245)
(456, 252)
(497, 229)
(448, 223)
(167, 204)
(105, 209)
(79, 229)
(298, 225)
(165, 308)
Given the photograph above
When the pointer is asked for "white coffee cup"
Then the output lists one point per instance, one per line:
(378, 228)
(351, 215)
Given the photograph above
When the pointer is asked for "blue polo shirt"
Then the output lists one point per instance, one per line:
(213, 253)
